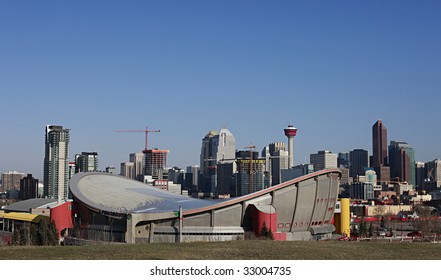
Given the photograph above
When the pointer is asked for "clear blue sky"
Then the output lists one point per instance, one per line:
(331, 68)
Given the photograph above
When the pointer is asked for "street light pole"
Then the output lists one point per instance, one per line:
(180, 224)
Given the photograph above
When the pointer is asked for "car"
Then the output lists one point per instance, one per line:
(416, 233)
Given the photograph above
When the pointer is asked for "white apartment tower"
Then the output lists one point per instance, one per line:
(56, 162)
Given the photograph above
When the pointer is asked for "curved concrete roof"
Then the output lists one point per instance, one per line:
(117, 194)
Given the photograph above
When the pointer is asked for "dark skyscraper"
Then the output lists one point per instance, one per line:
(402, 162)
(379, 144)
(359, 159)
(343, 160)
(28, 187)
(379, 152)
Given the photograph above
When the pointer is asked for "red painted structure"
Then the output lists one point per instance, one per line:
(62, 216)
(266, 214)
(290, 131)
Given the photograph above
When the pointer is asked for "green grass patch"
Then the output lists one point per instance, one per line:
(240, 250)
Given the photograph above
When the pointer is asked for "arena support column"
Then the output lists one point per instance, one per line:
(130, 237)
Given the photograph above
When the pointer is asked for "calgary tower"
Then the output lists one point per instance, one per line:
(290, 132)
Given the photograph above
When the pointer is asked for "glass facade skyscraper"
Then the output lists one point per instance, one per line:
(359, 162)
(402, 162)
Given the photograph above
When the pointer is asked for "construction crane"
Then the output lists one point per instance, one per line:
(146, 131)
(251, 147)
(392, 181)
(430, 177)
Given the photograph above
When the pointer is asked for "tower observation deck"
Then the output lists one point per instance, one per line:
(290, 132)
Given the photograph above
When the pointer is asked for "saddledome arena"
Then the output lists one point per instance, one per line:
(116, 209)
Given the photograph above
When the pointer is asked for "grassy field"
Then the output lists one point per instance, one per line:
(242, 250)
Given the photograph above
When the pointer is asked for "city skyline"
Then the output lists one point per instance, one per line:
(329, 69)
(305, 161)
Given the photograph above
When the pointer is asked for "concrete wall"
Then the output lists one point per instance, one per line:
(300, 207)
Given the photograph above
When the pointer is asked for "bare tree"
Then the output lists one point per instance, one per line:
(428, 222)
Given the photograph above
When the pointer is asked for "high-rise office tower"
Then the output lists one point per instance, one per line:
(323, 160)
(267, 156)
(379, 152)
(420, 175)
(225, 180)
(217, 147)
(290, 132)
(359, 159)
(28, 187)
(86, 162)
(379, 144)
(344, 180)
(128, 169)
(343, 160)
(176, 175)
(276, 158)
(279, 162)
(56, 162)
(433, 177)
(402, 162)
(206, 158)
(138, 160)
(191, 178)
(224, 146)
(250, 175)
(275, 147)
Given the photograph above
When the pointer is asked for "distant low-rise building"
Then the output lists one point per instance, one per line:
(296, 171)
(128, 170)
(28, 187)
(11, 180)
(111, 169)
(359, 190)
(323, 160)
(86, 162)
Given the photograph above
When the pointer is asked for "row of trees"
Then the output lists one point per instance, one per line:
(427, 224)
(44, 233)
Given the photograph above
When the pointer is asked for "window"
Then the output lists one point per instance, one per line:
(224, 139)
